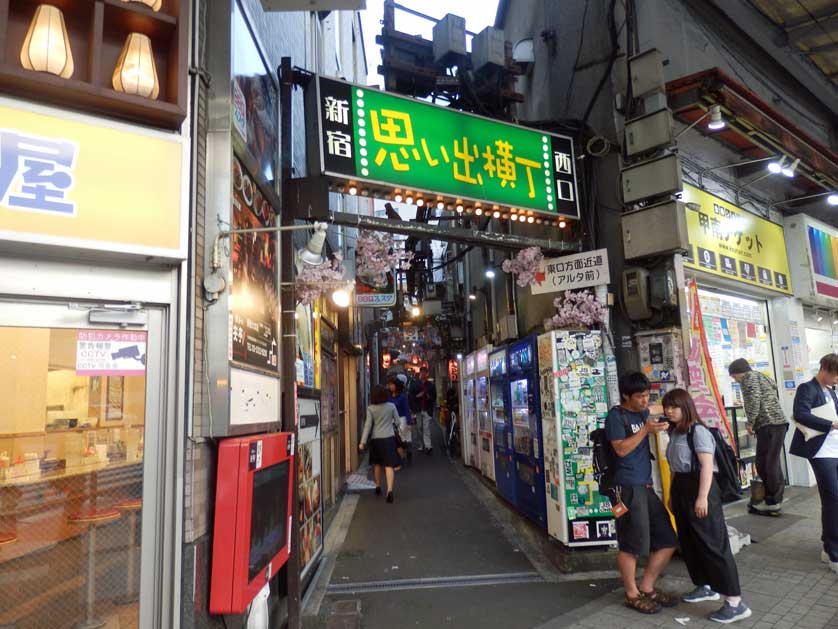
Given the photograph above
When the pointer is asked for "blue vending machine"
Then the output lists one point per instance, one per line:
(505, 476)
(525, 407)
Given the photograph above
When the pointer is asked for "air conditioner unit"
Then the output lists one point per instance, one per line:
(507, 328)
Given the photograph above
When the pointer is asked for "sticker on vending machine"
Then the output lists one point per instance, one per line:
(580, 530)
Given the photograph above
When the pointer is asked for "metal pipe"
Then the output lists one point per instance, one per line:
(215, 262)
(692, 124)
(796, 199)
(745, 163)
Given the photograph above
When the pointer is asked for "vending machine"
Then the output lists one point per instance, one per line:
(574, 403)
(486, 453)
(525, 408)
(661, 355)
(502, 425)
(468, 411)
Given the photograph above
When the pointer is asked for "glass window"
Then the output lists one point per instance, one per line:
(71, 477)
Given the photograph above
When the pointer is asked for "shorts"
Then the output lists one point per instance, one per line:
(646, 526)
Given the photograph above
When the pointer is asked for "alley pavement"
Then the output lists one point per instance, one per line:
(444, 555)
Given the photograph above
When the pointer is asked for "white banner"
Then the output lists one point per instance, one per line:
(580, 270)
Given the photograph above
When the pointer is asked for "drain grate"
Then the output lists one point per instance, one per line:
(426, 583)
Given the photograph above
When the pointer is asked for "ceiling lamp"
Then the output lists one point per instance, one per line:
(832, 199)
(790, 170)
(777, 167)
(46, 47)
(716, 121)
(154, 5)
(135, 71)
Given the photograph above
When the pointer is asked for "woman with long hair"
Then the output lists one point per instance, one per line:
(695, 501)
(396, 384)
(382, 418)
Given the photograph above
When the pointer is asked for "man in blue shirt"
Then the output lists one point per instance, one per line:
(643, 525)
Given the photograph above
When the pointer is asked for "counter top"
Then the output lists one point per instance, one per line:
(44, 477)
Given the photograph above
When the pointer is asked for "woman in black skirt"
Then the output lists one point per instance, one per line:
(382, 417)
(695, 501)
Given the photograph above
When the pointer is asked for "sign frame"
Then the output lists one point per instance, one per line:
(317, 159)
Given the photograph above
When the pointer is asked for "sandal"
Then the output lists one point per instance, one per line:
(664, 599)
(642, 604)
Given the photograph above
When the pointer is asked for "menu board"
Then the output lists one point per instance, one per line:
(254, 295)
(574, 404)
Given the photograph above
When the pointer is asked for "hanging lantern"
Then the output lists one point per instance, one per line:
(46, 47)
(153, 4)
(135, 71)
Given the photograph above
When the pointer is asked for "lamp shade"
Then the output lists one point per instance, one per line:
(46, 47)
(154, 4)
(135, 71)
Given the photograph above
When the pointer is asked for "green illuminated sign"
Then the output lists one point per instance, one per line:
(368, 135)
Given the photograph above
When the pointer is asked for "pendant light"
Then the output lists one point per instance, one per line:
(153, 4)
(46, 47)
(135, 71)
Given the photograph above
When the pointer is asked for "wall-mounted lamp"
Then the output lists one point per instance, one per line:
(341, 297)
(136, 72)
(776, 167)
(312, 253)
(716, 121)
(154, 5)
(790, 170)
(46, 47)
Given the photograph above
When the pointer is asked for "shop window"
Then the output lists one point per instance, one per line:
(71, 476)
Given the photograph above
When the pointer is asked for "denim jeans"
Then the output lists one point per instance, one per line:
(826, 473)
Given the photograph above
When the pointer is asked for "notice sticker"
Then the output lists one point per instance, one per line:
(110, 353)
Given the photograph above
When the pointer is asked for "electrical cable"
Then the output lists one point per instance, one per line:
(576, 60)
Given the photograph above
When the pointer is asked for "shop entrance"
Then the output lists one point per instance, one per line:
(81, 464)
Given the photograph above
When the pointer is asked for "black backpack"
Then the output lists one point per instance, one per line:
(728, 477)
(604, 457)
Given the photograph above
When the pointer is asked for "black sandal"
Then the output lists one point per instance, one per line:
(642, 604)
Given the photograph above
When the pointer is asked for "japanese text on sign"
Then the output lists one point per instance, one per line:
(110, 353)
(367, 134)
(36, 173)
(728, 241)
(581, 270)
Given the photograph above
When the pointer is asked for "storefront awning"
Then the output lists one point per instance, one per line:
(754, 129)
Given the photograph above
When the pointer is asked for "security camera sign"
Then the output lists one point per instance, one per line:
(110, 353)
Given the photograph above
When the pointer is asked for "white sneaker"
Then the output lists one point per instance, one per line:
(833, 565)
(824, 556)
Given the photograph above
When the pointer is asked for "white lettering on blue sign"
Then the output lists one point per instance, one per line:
(44, 167)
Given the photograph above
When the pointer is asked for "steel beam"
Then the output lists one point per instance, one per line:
(477, 237)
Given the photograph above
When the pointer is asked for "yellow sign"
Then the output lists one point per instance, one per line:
(728, 241)
(89, 185)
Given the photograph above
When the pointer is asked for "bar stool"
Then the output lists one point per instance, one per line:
(132, 509)
(5, 539)
(91, 519)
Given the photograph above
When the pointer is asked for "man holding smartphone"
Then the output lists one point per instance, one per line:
(643, 524)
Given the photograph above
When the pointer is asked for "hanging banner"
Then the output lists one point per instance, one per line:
(703, 386)
(580, 270)
(368, 295)
(730, 242)
(399, 143)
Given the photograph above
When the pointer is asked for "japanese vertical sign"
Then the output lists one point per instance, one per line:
(92, 185)
(703, 386)
(581, 270)
(255, 294)
(369, 135)
(728, 241)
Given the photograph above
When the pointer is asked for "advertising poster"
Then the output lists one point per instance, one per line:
(305, 366)
(371, 296)
(255, 292)
(255, 103)
(309, 467)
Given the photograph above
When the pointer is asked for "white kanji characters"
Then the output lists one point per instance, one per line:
(564, 190)
(336, 110)
(563, 163)
(46, 167)
(339, 143)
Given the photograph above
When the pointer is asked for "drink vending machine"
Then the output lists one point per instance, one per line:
(502, 425)
(486, 453)
(525, 408)
(468, 423)
(574, 403)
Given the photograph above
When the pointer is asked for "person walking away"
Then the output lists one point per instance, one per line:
(396, 385)
(427, 404)
(695, 501)
(413, 388)
(643, 525)
(381, 420)
(821, 448)
(766, 420)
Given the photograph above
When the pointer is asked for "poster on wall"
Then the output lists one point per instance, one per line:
(254, 293)
(309, 469)
(254, 95)
(305, 360)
